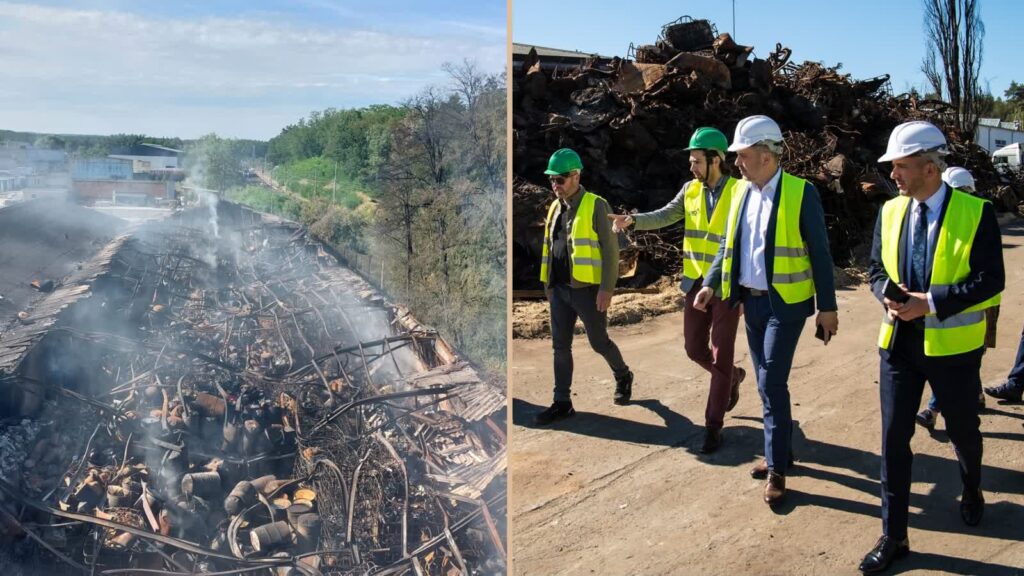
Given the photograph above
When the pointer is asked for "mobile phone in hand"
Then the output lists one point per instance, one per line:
(892, 291)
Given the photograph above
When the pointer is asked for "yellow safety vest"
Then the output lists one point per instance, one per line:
(702, 237)
(791, 271)
(951, 264)
(585, 251)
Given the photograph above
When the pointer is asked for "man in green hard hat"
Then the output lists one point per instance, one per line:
(579, 269)
(708, 336)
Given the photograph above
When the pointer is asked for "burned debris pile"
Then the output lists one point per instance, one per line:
(631, 119)
(223, 397)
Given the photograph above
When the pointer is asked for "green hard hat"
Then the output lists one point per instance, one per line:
(707, 138)
(564, 160)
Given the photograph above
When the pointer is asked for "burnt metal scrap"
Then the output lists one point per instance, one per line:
(218, 395)
(631, 119)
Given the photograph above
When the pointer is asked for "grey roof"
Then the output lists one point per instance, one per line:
(997, 123)
(544, 52)
(46, 240)
(165, 148)
(19, 337)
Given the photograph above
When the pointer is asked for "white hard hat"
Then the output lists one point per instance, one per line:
(958, 177)
(910, 138)
(754, 130)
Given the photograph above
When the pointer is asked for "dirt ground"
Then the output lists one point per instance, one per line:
(623, 489)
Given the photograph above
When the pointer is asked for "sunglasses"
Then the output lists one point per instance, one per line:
(560, 179)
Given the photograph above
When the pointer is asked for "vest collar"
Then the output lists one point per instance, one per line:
(771, 187)
(574, 201)
(935, 201)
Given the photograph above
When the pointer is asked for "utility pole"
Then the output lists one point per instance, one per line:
(733, 19)
(334, 190)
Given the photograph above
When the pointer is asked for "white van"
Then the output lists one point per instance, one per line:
(1007, 157)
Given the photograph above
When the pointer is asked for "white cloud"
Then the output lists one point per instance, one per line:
(69, 70)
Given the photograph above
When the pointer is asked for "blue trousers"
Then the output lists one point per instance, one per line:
(772, 345)
(1017, 372)
(904, 371)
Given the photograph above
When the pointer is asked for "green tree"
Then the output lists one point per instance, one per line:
(212, 163)
(50, 142)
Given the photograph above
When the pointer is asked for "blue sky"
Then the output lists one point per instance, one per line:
(237, 68)
(869, 37)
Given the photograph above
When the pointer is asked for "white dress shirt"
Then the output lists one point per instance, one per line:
(754, 232)
(934, 204)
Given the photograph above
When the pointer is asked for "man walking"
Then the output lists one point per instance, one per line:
(960, 179)
(703, 205)
(936, 266)
(775, 259)
(579, 269)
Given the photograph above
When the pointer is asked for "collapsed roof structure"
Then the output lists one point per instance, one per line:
(215, 391)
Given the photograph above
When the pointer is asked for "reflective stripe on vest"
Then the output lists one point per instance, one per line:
(791, 266)
(586, 248)
(702, 237)
(951, 264)
(545, 251)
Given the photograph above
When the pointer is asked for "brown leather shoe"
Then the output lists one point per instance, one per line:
(738, 374)
(760, 470)
(775, 488)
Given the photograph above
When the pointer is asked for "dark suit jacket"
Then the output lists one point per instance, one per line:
(812, 228)
(986, 279)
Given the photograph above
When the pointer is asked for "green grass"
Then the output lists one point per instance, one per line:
(267, 200)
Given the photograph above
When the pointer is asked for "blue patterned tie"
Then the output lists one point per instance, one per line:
(919, 254)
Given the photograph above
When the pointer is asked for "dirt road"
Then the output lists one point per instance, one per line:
(623, 489)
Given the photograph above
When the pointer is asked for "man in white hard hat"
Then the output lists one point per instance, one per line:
(961, 179)
(936, 266)
(774, 260)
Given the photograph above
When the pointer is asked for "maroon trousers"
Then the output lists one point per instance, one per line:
(710, 341)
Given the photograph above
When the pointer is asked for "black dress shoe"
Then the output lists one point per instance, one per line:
(623, 388)
(972, 506)
(927, 418)
(1006, 391)
(712, 440)
(881, 556)
(560, 410)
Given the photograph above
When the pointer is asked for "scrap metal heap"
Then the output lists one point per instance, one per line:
(631, 119)
(254, 405)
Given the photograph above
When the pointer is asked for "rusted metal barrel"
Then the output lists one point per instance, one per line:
(202, 484)
(231, 434)
(270, 536)
(118, 497)
(241, 496)
(133, 489)
(298, 509)
(254, 440)
(307, 530)
(261, 482)
(280, 507)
